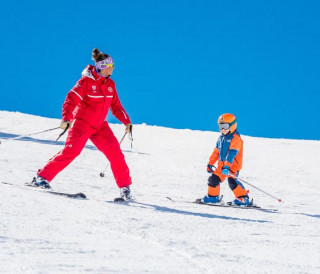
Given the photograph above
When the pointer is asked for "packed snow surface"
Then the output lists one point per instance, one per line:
(43, 233)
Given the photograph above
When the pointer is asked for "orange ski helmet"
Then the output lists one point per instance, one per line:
(227, 121)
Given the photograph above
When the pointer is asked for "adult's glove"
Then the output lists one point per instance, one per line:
(129, 132)
(225, 170)
(129, 128)
(65, 124)
(210, 168)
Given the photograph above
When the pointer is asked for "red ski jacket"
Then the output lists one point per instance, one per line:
(91, 98)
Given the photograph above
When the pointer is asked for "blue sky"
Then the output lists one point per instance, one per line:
(178, 64)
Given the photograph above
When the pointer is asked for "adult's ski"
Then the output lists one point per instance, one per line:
(121, 199)
(78, 195)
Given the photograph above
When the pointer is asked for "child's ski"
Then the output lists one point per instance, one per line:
(79, 195)
(227, 205)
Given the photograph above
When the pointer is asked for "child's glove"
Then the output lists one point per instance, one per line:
(210, 168)
(225, 170)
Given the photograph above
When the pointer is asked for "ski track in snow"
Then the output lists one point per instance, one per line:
(43, 233)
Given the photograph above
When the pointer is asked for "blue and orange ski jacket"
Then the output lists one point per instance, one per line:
(228, 152)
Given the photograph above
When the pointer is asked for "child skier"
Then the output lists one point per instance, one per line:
(228, 152)
(84, 111)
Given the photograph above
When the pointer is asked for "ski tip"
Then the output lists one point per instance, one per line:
(81, 195)
(119, 199)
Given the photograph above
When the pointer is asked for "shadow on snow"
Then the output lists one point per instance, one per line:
(183, 212)
(309, 215)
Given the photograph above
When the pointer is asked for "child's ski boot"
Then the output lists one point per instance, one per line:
(210, 200)
(242, 201)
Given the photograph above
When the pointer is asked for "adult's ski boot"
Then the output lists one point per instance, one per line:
(125, 193)
(40, 182)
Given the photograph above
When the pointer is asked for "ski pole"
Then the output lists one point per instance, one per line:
(238, 178)
(130, 135)
(63, 132)
(102, 173)
(241, 180)
(27, 135)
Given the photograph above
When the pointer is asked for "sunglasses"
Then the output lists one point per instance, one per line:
(106, 63)
(103, 66)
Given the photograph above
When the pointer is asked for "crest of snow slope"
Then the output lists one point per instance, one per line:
(42, 233)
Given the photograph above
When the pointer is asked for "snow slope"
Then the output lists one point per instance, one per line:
(43, 233)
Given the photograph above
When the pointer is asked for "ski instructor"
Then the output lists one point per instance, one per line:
(85, 110)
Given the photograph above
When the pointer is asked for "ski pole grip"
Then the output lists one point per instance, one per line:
(64, 131)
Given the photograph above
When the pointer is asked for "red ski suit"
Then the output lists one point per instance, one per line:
(86, 106)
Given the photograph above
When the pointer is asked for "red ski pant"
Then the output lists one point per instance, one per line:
(103, 138)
